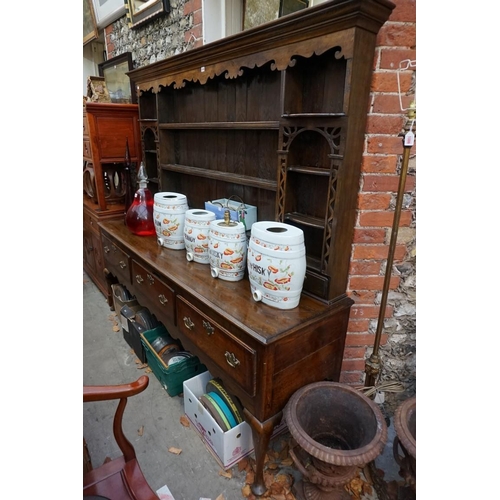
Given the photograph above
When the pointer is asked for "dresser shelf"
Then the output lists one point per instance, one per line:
(271, 125)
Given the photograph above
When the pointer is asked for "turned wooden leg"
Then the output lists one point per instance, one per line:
(261, 433)
(110, 280)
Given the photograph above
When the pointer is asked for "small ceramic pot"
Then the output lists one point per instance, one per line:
(227, 250)
(169, 211)
(196, 229)
(276, 264)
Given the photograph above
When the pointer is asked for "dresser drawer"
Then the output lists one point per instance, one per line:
(236, 358)
(90, 222)
(153, 293)
(117, 261)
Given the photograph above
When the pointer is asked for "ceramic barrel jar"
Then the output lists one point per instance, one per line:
(169, 210)
(276, 264)
(196, 229)
(227, 247)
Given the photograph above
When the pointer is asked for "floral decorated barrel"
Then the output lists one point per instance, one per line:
(227, 247)
(169, 210)
(196, 229)
(276, 263)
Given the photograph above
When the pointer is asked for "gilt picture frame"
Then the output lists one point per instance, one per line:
(108, 11)
(90, 31)
(291, 6)
(121, 89)
(139, 12)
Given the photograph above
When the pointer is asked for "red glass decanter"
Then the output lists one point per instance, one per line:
(139, 217)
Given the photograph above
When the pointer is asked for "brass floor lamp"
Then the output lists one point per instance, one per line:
(373, 364)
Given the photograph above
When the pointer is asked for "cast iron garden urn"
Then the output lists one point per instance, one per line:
(336, 430)
(405, 425)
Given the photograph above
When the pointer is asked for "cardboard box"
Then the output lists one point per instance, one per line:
(127, 313)
(239, 211)
(118, 303)
(228, 448)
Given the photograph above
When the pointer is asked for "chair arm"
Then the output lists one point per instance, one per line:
(110, 392)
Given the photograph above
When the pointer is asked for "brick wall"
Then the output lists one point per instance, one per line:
(182, 30)
(195, 33)
(379, 181)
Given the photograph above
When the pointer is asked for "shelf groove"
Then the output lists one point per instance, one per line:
(309, 170)
(244, 180)
(306, 220)
(266, 125)
(313, 115)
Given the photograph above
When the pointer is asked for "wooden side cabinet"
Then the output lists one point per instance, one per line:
(106, 130)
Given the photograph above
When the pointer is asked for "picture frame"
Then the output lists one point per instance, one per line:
(256, 12)
(140, 12)
(90, 31)
(121, 89)
(108, 11)
(291, 6)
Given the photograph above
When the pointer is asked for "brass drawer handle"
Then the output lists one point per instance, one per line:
(208, 327)
(163, 300)
(151, 279)
(106, 249)
(188, 323)
(122, 264)
(139, 279)
(231, 359)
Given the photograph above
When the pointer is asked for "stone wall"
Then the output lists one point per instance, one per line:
(165, 36)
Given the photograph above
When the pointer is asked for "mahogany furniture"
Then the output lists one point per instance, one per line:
(106, 130)
(121, 478)
(275, 115)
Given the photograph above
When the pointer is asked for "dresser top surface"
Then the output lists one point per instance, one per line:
(232, 300)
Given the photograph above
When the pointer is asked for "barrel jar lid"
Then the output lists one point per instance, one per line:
(277, 232)
(200, 214)
(166, 198)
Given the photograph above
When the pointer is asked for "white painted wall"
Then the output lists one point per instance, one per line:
(221, 18)
(92, 56)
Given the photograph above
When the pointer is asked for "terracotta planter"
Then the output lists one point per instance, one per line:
(337, 429)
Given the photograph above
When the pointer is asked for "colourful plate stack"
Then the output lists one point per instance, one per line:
(226, 410)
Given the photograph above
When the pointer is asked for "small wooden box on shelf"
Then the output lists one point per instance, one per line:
(107, 128)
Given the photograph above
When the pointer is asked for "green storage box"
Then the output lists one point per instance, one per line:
(170, 377)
